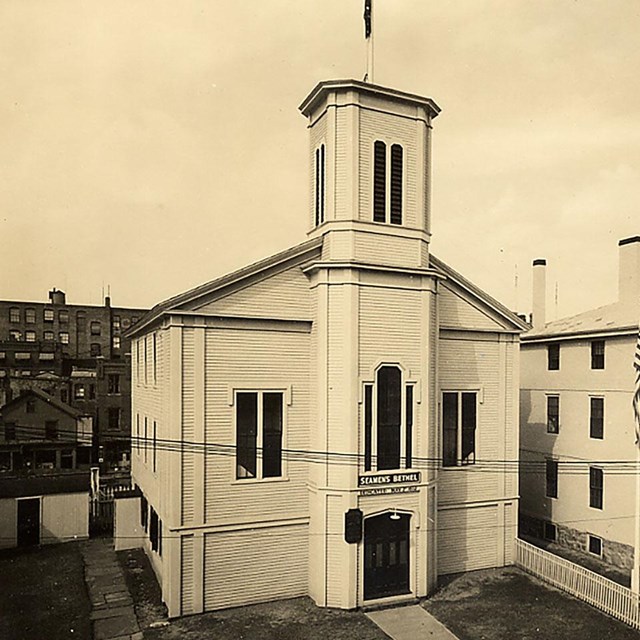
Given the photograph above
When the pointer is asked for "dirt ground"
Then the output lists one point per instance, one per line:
(296, 619)
(43, 594)
(508, 604)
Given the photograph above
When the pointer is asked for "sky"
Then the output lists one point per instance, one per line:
(153, 145)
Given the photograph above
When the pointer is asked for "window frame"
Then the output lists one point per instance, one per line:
(30, 336)
(596, 490)
(460, 461)
(596, 434)
(260, 434)
(320, 181)
(387, 198)
(551, 429)
(30, 316)
(598, 540)
(598, 361)
(95, 328)
(551, 488)
(14, 315)
(113, 384)
(114, 424)
(63, 336)
(553, 356)
(48, 315)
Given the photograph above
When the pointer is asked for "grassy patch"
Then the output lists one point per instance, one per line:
(43, 594)
(507, 603)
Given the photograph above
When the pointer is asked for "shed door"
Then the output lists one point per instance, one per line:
(28, 522)
(386, 552)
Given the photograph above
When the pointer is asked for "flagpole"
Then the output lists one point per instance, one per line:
(369, 38)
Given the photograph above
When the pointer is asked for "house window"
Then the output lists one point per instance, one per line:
(47, 355)
(155, 532)
(14, 314)
(553, 414)
(48, 315)
(144, 512)
(595, 545)
(30, 336)
(596, 418)
(550, 532)
(597, 354)
(95, 349)
(114, 418)
(15, 335)
(553, 357)
(31, 406)
(319, 184)
(116, 342)
(30, 316)
(596, 487)
(79, 392)
(9, 431)
(552, 478)
(64, 337)
(113, 383)
(63, 316)
(387, 182)
(51, 429)
(48, 336)
(259, 423)
(459, 421)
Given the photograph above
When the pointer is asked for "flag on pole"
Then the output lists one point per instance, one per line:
(636, 392)
(367, 18)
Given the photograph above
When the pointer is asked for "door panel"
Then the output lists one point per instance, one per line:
(386, 554)
(28, 522)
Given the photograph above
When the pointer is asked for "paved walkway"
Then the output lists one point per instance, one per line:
(410, 623)
(112, 614)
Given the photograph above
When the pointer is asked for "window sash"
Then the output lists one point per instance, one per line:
(553, 414)
(596, 487)
(379, 181)
(396, 183)
(459, 424)
(596, 418)
(551, 474)
(597, 354)
(389, 414)
(553, 357)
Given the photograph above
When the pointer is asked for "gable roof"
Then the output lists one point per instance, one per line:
(54, 402)
(610, 318)
(304, 253)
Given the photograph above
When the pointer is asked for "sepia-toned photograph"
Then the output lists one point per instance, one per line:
(319, 320)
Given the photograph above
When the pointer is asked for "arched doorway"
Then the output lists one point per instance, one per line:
(386, 555)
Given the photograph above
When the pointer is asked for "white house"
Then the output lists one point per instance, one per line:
(577, 422)
(333, 420)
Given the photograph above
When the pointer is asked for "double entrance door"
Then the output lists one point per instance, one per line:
(386, 555)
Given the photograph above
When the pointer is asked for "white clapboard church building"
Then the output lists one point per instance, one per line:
(332, 421)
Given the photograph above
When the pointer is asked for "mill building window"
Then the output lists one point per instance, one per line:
(48, 315)
(48, 336)
(95, 328)
(15, 335)
(30, 336)
(259, 426)
(64, 337)
(597, 354)
(388, 183)
(14, 314)
(553, 414)
(459, 422)
(95, 349)
(319, 184)
(30, 316)
(63, 316)
(116, 342)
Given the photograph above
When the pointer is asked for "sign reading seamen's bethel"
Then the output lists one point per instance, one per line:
(388, 478)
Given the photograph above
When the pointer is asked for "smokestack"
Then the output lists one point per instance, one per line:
(56, 296)
(629, 270)
(539, 293)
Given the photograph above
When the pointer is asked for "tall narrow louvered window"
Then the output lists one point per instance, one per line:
(379, 181)
(320, 185)
(396, 184)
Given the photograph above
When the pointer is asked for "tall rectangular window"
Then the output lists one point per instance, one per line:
(320, 184)
(63, 316)
(114, 418)
(379, 181)
(368, 425)
(596, 487)
(155, 445)
(596, 418)
(459, 423)
(409, 425)
(30, 316)
(553, 357)
(113, 380)
(553, 414)
(259, 427)
(396, 184)
(48, 315)
(14, 314)
(96, 328)
(597, 354)
(389, 417)
(552, 478)
(64, 337)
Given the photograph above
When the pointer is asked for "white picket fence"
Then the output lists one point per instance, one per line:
(600, 592)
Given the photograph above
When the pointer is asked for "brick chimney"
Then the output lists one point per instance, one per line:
(539, 293)
(629, 270)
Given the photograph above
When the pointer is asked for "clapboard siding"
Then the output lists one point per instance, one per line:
(283, 295)
(380, 126)
(467, 539)
(511, 426)
(256, 565)
(457, 312)
(336, 553)
(390, 323)
(187, 586)
(510, 532)
(388, 249)
(253, 359)
(318, 135)
(342, 155)
(188, 425)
